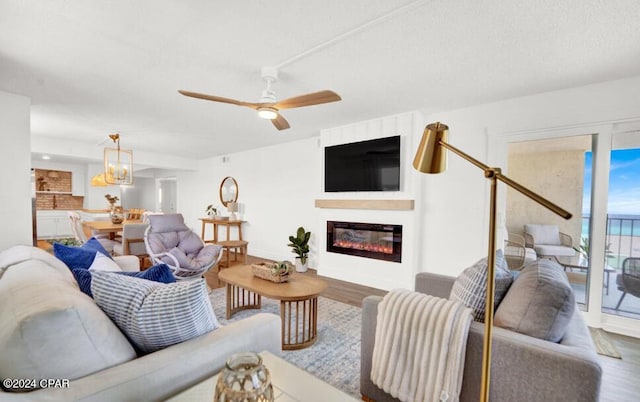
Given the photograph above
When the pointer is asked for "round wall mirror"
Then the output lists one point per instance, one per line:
(228, 190)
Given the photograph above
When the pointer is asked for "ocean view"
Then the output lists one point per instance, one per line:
(617, 225)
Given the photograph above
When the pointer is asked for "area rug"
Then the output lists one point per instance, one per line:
(603, 343)
(335, 357)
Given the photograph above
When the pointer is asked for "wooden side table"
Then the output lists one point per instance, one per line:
(298, 302)
(217, 222)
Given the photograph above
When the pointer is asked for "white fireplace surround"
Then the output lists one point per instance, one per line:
(395, 207)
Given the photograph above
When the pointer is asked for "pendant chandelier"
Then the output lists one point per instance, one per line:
(118, 163)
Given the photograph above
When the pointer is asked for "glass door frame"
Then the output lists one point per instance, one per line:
(602, 136)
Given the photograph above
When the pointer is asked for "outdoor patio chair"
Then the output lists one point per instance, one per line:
(516, 254)
(629, 280)
(548, 241)
(78, 232)
(168, 240)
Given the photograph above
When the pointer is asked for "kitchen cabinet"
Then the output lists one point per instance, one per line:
(53, 224)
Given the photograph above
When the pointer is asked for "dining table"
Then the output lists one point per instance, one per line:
(101, 227)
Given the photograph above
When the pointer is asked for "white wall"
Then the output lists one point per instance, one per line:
(371, 272)
(15, 161)
(141, 194)
(277, 186)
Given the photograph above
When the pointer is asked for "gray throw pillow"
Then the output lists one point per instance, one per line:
(540, 302)
(470, 287)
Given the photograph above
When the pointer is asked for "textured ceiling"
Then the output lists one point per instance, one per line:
(96, 67)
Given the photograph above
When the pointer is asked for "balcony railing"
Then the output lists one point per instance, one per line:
(623, 237)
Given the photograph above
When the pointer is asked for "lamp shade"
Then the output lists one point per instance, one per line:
(431, 157)
(98, 180)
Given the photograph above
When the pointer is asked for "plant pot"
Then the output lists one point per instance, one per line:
(300, 267)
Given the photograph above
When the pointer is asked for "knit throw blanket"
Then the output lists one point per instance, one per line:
(420, 346)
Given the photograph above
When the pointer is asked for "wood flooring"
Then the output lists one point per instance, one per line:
(620, 376)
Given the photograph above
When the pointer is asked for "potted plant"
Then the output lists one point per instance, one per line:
(300, 246)
(211, 210)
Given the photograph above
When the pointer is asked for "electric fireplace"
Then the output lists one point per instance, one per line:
(369, 240)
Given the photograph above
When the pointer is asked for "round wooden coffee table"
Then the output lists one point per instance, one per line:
(298, 301)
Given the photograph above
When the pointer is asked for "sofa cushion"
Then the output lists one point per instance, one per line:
(540, 303)
(155, 315)
(79, 257)
(470, 287)
(49, 329)
(544, 234)
(158, 273)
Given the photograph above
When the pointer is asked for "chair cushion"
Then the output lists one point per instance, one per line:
(543, 234)
(470, 287)
(167, 223)
(155, 315)
(158, 273)
(79, 257)
(194, 261)
(562, 251)
(540, 303)
(49, 329)
(189, 242)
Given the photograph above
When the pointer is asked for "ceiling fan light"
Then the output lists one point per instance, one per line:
(267, 113)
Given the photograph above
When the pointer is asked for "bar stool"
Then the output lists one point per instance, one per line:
(235, 245)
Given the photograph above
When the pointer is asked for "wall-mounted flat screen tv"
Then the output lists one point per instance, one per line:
(372, 165)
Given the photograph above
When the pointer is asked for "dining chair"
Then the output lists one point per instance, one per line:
(135, 213)
(78, 232)
(132, 241)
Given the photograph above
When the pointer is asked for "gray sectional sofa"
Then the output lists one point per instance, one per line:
(523, 368)
(50, 329)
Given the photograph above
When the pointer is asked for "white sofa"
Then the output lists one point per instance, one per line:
(50, 329)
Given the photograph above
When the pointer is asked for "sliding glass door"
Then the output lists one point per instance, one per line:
(621, 294)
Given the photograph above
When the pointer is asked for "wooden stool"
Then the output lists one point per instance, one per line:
(234, 245)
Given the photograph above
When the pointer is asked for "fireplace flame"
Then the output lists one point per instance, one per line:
(377, 248)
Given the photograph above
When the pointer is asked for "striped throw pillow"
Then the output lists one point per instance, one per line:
(154, 315)
(470, 287)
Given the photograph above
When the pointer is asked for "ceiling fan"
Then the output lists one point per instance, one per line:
(268, 107)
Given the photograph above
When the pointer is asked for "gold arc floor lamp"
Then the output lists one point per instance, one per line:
(431, 157)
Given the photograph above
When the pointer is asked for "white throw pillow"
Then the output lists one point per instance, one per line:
(104, 263)
(154, 315)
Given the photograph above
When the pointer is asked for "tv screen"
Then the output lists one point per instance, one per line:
(372, 165)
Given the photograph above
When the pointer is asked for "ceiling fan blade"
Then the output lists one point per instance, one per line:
(219, 99)
(311, 99)
(280, 122)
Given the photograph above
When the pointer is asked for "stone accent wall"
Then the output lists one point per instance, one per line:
(557, 176)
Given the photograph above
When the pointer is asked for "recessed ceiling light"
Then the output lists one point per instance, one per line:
(46, 157)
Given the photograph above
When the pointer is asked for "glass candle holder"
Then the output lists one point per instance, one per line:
(244, 378)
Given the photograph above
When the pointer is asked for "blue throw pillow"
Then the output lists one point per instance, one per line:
(79, 257)
(158, 273)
